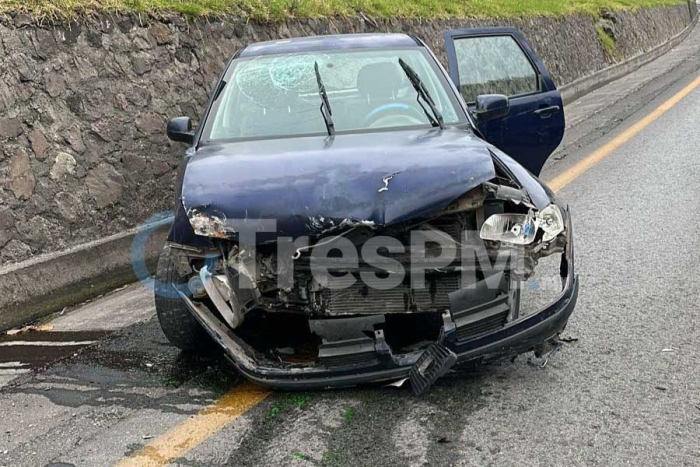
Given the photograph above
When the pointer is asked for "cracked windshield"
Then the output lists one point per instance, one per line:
(367, 90)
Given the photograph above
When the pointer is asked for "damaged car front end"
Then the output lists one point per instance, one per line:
(375, 255)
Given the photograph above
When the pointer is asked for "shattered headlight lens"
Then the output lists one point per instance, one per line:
(207, 226)
(551, 221)
(518, 229)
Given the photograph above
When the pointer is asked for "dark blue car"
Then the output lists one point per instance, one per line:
(349, 212)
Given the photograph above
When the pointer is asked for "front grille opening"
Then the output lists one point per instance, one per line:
(279, 336)
(480, 328)
(286, 337)
(411, 331)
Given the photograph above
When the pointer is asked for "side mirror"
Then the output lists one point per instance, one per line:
(180, 129)
(491, 107)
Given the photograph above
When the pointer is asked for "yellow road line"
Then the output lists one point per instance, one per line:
(194, 431)
(604, 151)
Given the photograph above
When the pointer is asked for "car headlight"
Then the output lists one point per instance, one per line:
(551, 221)
(207, 226)
(518, 229)
(521, 229)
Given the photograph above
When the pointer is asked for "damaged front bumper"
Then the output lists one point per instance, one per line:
(371, 360)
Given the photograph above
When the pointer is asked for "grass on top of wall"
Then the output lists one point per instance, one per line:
(284, 9)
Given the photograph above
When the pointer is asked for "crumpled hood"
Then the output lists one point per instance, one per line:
(310, 184)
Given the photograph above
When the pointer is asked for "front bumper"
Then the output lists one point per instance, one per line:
(513, 339)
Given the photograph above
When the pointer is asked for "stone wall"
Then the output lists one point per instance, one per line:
(83, 106)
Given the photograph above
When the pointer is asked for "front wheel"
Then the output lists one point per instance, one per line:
(176, 321)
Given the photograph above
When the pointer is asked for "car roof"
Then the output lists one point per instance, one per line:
(326, 43)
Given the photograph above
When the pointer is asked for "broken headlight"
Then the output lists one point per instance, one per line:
(520, 229)
(551, 221)
(208, 226)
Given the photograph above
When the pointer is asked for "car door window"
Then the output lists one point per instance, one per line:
(493, 65)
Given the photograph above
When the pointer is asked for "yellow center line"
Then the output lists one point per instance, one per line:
(195, 430)
(604, 151)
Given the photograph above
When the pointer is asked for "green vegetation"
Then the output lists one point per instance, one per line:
(349, 414)
(274, 411)
(329, 456)
(281, 9)
(608, 42)
(301, 455)
(301, 401)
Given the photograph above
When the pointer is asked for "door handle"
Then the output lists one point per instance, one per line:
(547, 111)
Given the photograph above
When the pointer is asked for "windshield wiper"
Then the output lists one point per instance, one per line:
(325, 105)
(436, 118)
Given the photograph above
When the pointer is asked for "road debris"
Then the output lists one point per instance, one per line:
(546, 351)
(397, 384)
(569, 339)
(551, 355)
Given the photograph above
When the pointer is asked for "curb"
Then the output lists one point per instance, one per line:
(42, 285)
(39, 286)
(582, 86)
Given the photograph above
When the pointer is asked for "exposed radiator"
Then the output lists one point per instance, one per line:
(361, 299)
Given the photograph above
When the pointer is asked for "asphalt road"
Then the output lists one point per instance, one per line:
(626, 392)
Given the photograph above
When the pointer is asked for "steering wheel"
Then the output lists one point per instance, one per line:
(394, 114)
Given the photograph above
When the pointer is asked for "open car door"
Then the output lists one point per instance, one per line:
(500, 61)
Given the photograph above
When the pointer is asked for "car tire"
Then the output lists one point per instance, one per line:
(176, 321)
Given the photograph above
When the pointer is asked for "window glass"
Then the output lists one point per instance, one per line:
(271, 96)
(493, 65)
